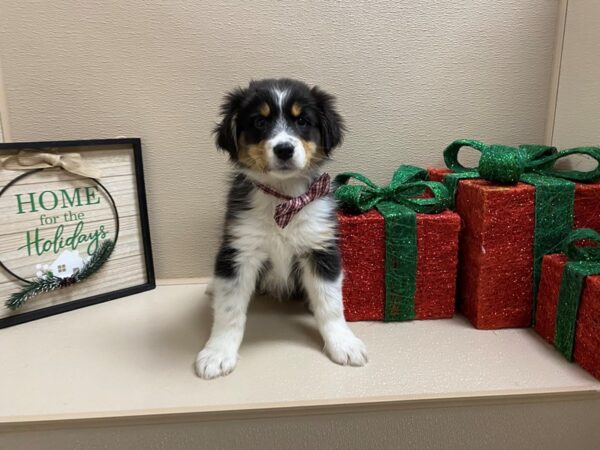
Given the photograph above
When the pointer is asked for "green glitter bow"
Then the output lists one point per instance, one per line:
(535, 165)
(503, 164)
(399, 202)
(583, 261)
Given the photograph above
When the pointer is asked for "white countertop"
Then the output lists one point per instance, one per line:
(134, 356)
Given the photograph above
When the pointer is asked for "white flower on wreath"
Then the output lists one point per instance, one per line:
(42, 270)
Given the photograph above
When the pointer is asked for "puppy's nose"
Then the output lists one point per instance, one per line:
(284, 151)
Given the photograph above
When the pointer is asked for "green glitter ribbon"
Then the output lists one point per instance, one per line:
(534, 165)
(399, 202)
(583, 261)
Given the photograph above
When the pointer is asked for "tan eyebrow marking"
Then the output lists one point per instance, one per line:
(296, 109)
(264, 109)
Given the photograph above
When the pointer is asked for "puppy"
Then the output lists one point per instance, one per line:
(280, 233)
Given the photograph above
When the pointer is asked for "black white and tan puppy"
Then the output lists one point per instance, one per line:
(278, 133)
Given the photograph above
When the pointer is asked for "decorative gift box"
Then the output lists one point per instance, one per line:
(399, 247)
(515, 208)
(568, 306)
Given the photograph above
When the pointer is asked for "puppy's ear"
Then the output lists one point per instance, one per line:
(331, 123)
(226, 132)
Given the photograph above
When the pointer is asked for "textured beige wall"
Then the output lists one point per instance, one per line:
(578, 103)
(410, 76)
(3, 109)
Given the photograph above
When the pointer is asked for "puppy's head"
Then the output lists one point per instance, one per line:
(280, 127)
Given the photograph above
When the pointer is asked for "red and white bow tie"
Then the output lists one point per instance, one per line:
(285, 212)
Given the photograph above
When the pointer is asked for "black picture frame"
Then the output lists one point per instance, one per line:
(136, 145)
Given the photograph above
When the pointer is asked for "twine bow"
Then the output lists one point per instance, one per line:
(406, 189)
(504, 164)
(70, 162)
(399, 202)
(584, 260)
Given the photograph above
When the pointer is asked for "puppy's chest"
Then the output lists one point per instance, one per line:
(310, 228)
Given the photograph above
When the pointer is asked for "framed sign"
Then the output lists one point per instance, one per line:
(73, 226)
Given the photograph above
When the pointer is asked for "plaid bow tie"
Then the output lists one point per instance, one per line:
(285, 212)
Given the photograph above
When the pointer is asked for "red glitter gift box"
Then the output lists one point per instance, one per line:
(362, 244)
(586, 347)
(495, 277)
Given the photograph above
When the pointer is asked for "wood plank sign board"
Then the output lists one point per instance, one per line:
(73, 226)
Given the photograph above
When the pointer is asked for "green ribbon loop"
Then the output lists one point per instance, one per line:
(572, 247)
(584, 261)
(406, 188)
(504, 164)
(399, 202)
(535, 165)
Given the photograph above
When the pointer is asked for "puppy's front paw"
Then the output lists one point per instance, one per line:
(346, 349)
(212, 363)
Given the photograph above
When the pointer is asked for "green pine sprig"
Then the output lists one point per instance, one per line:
(36, 287)
(99, 257)
(51, 282)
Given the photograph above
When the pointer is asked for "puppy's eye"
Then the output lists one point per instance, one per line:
(302, 122)
(260, 122)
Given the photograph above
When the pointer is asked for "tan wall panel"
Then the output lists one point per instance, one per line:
(410, 77)
(578, 104)
(544, 425)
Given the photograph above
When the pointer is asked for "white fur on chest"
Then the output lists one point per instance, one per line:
(256, 233)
